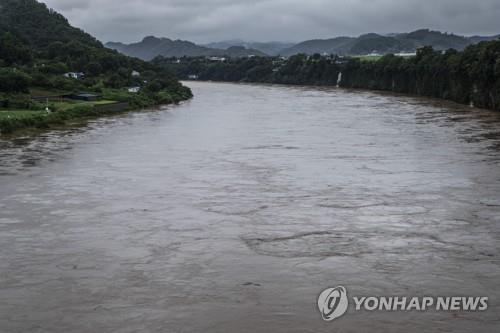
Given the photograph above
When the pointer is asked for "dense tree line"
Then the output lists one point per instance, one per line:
(298, 69)
(470, 76)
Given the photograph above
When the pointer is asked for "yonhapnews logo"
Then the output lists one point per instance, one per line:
(333, 303)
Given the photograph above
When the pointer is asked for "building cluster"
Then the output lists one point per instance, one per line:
(81, 76)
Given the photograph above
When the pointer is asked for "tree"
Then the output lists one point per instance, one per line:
(12, 51)
(14, 81)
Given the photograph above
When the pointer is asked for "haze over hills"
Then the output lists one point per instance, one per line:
(394, 43)
(478, 39)
(270, 48)
(150, 47)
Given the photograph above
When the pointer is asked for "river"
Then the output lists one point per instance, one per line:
(233, 211)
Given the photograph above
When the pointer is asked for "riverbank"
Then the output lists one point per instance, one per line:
(470, 77)
(63, 112)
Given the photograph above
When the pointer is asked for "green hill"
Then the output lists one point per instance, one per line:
(436, 39)
(43, 57)
(395, 43)
(35, 24)
(38, 46)
(151, 47)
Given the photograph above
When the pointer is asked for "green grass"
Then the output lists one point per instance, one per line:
(373, 58)
(12, 120)
(43, 120)
(118, 95)
(103, 102)
(19, 114)
(66, 105)
(369, 58)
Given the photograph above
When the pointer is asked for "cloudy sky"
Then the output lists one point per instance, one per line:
(266, 20)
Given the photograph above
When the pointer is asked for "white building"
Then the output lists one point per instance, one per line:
(217, 59)
(75, 75)
(136, 73)
(406, 54)
(134, 90)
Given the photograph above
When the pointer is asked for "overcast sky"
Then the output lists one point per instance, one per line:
(266, 20)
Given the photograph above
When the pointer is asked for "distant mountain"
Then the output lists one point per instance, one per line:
(393, 43)
(238, 51)
(366, 44)
(151, 47)
(478, 39)
(270, 48)
(223, 45)
(338, 45)
(436, 39)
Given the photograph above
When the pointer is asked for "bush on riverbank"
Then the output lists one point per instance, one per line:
(19, 101)
(147, 98)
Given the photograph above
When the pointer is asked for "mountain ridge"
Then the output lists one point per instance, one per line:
(151, 47)
(383, 44)
(270, 48)
(368, 43)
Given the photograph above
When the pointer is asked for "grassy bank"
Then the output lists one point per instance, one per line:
(11, 121)
(62, 112)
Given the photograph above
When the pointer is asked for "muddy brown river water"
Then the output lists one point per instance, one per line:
(233, 211)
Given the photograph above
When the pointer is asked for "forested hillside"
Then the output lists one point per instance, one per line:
(38, 46)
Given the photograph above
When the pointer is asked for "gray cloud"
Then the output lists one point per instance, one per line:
(265, 20)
